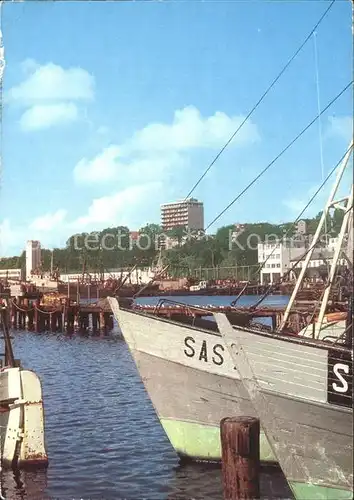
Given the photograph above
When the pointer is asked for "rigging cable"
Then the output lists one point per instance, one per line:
(2, 67)
(319, 120)
(280, 154)
(288, 232)
(261, 98)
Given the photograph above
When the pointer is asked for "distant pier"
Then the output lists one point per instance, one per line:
(26, 313)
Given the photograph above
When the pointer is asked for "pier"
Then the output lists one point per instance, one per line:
(61, 315)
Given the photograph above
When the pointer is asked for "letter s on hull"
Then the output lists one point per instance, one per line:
(336, 370)
(218, 358)
(187, 342)
(340, 378)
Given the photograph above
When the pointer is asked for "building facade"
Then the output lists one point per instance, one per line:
(187, 213)
(320, 259)
(11, 274)
(138, 276)
(276, 258)
(33, 257)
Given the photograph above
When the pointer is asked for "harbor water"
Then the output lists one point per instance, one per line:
(103, 438)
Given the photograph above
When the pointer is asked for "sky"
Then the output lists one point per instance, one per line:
(111, 108)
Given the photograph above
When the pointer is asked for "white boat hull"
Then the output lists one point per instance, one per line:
(309, 425)
(21, 419)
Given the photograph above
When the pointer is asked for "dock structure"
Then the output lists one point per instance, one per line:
(59, 316)
(60, 313)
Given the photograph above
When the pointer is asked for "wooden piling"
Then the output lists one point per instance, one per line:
(95, 320)
(60, 321)
(240, 457)
(106, 320)
(36, 317)
(102, 320)
(53, 321)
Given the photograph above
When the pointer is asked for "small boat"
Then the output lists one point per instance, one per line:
(21, 409)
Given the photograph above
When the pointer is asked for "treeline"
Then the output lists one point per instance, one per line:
(114, 248)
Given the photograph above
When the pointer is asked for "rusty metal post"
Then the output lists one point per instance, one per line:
(240, 457)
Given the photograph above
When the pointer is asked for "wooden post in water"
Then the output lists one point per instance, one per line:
(94, 321)
(240, 457)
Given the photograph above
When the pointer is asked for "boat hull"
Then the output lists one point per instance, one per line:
(184, 371)
(303, 399)
(314, 446)
(21, 419)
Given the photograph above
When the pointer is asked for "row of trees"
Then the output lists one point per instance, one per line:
(115, 248)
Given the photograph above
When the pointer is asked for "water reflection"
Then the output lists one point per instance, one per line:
(103, 438)
(25, 485)
(204, 482)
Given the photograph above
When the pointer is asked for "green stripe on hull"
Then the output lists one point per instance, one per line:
(202, 442)
(306, 491)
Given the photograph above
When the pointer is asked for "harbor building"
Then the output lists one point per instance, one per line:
(277, 256)
(280, 256)
(188, 214)
(11, 274)
(33, 257)
(320, 262)
(138, 276)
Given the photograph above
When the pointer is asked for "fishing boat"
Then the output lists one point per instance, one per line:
(21, 408)
(191, 377)
(302, 391)
(188, 374)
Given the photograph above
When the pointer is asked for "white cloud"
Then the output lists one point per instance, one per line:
(44, 116)
(101, 169)
(9, 238)
(29, 66)
(190, 130)
(48, 222)
(118, 208)
(158, 147)
(341, 127)
(111, 165)
(51, 94)
(143, 164)
(51, 82)
(122, 207)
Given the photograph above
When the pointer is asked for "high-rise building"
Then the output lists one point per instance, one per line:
(33, 257)
(186, 213)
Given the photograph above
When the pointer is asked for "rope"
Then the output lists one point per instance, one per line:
(280, 154)
(318, 111)
(300, 215)
(262, 97)
(35, 308)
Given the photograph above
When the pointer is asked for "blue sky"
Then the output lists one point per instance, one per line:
(110, 109)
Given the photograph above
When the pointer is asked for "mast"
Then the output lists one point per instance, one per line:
(330, 203)
(52, 263)
(347, 216)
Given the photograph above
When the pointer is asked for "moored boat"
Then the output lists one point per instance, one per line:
(193, 382)
(302, 391)
(190, 378)
(21, 409)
